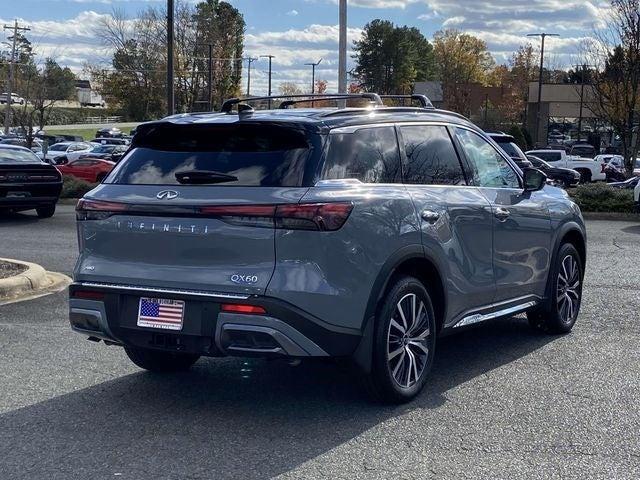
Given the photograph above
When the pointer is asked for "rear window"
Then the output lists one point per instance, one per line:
(549, 156)
(10, 155)
(511, 149)
(243, 155)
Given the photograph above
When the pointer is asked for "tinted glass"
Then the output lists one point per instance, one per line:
(488, 168)
(511, 149)
(431, 157)
(257, 155)
(370, 155)
(58, 148)
(10, 155)
(549, 156)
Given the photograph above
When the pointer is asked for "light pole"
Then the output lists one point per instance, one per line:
(342, 48)
(7, 112)
(270, 57)
(170, 98)
(584, 68)
(542, 35)
(313, 74)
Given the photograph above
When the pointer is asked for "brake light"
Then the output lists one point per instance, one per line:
(88, 295)
(87, 209)
(313, 216)
(241, 308)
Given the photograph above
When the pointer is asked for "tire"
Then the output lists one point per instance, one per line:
(159, 361)
(392, 378)
(46, 212)
(560, 312)
(585, 176)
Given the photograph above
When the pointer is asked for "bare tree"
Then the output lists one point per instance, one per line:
(615, 50)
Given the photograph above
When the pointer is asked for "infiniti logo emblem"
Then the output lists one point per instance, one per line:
(167, 195)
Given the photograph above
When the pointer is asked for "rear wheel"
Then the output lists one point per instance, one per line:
(404, 342)
(159, 361)
(46, 212)
(561, 311)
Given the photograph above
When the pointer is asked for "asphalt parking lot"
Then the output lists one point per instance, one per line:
(503, 402)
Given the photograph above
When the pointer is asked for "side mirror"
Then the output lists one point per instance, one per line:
(534, 179)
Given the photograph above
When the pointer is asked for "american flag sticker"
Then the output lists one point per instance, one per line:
(161, 313)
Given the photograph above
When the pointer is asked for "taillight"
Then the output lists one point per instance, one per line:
(87, 209)
(88, 295)
(313, 216)
(602, 166)
(242, 308)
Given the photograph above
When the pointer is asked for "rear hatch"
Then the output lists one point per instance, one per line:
(195, 206)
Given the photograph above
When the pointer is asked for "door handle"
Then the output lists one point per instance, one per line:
(502, 213)
(430, 216)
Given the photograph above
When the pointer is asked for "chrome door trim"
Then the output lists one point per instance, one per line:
(173, 291)
(481, 317)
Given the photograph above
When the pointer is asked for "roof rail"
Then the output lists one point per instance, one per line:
(289, 100)
(423, 99)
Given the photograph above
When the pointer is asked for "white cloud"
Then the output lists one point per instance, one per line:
(292, 13)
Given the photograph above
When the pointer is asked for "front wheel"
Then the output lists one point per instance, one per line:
(561, 310)
(585, 176)
(404, 342)
(159, 361)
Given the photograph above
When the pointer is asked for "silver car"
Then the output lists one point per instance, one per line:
(363, 232)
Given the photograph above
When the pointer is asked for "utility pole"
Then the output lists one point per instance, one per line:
(270, 57)
(170, 97)
(542, 35)
(250, 60)
(7, 111)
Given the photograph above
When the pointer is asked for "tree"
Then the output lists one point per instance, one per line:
(390, 59)
(460, 59)
(42, 87)
(289, 88)
(616, 85)
(136, 80)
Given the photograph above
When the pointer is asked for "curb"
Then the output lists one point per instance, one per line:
(617, 216)
(33, 280)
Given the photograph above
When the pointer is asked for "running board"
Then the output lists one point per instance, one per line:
(480, 317)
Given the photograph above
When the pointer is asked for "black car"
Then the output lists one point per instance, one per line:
(563, 176)
(511, 148)
(113, 153)
(27, 183)
(109, 133)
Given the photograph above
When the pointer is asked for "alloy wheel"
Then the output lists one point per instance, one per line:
(408, 340)
(568, 289)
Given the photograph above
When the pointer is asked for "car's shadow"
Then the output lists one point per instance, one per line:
(8, 218)
(228, 418)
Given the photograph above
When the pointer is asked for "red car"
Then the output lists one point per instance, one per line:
(89, 169)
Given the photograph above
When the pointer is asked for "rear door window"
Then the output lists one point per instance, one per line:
(225, 155)
(431, 156)
(370, 155)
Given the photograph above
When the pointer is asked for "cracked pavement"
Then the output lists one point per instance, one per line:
(503, 402)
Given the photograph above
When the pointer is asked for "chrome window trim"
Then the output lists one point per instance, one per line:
(174, 291)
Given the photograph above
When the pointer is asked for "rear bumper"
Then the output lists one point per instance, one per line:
(111, 315)
(29, 195)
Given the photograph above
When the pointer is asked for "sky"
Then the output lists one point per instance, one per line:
(303, 31)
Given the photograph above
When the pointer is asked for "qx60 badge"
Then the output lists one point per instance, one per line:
(167, 195)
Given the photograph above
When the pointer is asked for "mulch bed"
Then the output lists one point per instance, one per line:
(8, 269)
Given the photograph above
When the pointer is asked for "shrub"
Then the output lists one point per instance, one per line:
(600, 197)
(73, 187)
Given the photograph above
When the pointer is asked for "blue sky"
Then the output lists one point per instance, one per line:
(301, 31)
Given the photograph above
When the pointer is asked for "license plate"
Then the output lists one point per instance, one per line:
(160, 313)
(18, 194)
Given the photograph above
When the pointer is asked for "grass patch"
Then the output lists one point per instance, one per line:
(600, 197)
(86, 133)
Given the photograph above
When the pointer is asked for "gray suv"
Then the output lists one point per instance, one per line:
(362, 232)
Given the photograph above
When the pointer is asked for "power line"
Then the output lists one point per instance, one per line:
(7, 111)
(250, 60)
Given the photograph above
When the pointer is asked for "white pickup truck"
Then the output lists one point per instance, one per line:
(590, 170)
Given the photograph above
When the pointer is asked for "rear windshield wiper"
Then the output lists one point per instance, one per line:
(203, 177)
